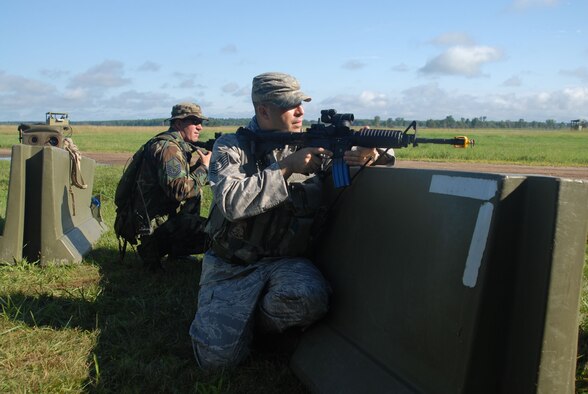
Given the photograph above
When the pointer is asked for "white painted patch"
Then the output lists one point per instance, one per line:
(479, 189)
(478, 245)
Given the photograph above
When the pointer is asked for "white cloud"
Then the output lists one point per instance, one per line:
(373, 99)
(462, 60)
(24, 98)
(513, 81)
(75, 94)
(234, 89)
(27, 99)
(149, 66)
(135, 104)
(430, 101)
(244, 91)
(578, 95)
(17, 85)
(187, 81)
(230, 87)
(581, 73)
(186, 84)
(362, 102)
(108, 74)
(53, 73)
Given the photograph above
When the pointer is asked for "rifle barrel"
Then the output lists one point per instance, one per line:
(448, 141)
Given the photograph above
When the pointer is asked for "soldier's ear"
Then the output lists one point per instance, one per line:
(263, 111)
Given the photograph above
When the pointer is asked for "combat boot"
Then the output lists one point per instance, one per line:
(149, 256)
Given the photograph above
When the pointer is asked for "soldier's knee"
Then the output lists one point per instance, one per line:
(315, 303)
(293, 307)
(312, 295)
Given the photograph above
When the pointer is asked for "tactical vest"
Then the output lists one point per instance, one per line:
(289, 229)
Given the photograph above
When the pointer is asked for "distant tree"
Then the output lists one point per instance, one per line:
(449, 122)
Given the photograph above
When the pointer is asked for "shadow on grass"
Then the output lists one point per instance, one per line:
(143, 342)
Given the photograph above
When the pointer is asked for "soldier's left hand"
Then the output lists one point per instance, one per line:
(360, 156)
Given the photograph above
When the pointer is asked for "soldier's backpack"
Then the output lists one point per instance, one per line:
(132, 218)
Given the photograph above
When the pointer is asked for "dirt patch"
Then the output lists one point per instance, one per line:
(560, 172)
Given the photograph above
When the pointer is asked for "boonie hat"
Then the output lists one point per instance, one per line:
(279, 89)
(183, 110)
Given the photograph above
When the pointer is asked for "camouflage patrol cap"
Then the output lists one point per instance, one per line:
(183, 110)
(279, 89)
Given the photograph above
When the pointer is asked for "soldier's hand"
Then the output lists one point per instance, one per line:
(204, 157)
(360, 156)
(303, 161)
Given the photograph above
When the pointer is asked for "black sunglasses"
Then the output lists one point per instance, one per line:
(195, 121)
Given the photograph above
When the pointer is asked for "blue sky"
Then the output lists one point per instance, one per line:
(417, 59)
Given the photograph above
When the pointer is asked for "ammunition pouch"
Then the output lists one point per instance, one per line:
(286, 230)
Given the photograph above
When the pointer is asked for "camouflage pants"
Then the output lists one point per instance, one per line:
(180, 234)
(235, 300)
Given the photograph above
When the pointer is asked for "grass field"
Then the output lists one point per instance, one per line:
(102, 326)
(529, 147)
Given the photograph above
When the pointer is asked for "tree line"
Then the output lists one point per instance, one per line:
(465, 123)
(449, 122)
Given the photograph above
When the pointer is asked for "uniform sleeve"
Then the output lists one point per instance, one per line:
(237, 195)
(173, 171)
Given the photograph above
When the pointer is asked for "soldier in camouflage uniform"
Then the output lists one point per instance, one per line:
(170, 181)
(255, 277)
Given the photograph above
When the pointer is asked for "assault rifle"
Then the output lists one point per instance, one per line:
(333, 132)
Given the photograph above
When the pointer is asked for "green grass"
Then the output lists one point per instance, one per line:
(529, 147)
(107, 138)
(102, 326)
(582, 365)
(105, 326)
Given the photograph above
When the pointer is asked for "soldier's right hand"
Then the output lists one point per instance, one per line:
(204, 157)
(303, 161)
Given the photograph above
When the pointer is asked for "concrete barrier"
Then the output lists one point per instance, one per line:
(68, 227)
(11, 239)
(57, 223)
(450, 282)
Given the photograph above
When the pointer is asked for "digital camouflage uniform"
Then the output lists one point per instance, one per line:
(255, 276)
(244, 288)
(170, 187)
